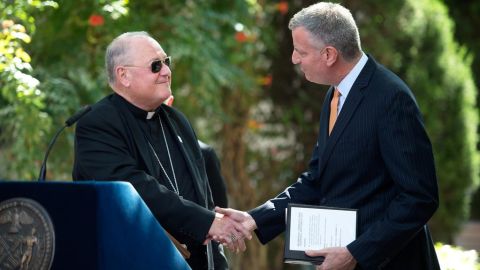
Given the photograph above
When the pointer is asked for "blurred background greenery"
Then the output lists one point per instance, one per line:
(233, 78)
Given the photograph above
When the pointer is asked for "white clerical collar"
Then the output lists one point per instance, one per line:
(150, 115)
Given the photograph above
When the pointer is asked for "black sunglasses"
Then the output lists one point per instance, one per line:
(156, 65)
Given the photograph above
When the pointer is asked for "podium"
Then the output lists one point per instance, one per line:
(97, 225)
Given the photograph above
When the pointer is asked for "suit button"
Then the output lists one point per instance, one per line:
(323, 201)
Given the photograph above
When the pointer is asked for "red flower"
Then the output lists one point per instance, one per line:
(96, 20)
(266, 81)
(282, 7)
(241, 37)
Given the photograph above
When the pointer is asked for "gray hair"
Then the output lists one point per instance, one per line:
(118, 52)
(330, 24)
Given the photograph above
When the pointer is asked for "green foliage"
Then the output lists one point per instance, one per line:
(208, 56)
(70, 66)
(465, 15)
(22, 121)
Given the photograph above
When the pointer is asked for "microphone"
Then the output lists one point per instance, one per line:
(70, 121)
(79, 114)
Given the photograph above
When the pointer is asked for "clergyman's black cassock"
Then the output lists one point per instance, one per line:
(110, 144)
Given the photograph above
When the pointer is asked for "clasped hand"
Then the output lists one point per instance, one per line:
(336, 258)
(230, 227)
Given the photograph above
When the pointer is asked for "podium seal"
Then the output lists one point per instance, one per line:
(27, 237)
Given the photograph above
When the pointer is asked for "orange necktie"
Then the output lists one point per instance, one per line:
(333, 110)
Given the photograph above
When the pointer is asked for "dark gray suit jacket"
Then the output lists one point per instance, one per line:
(109, 145)
(378, 159)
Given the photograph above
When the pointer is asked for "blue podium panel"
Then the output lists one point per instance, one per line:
(97, 225)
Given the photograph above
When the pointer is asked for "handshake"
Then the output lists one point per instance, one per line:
(230, 227)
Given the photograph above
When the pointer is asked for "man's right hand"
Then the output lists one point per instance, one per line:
(229, 232)
(244, 218)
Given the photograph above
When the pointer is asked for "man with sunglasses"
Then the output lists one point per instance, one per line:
(130, 135)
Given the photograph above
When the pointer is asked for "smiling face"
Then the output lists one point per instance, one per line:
(311, 57)
(139, 85)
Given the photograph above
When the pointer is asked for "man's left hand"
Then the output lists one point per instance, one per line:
(338, 258)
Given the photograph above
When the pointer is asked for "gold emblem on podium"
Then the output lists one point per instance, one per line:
(27, 237)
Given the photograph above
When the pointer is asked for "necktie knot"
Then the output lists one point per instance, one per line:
(336, 93)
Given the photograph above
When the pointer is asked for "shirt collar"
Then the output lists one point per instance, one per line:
(347, 82)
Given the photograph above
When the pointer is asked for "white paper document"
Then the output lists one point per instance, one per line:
(317, 228)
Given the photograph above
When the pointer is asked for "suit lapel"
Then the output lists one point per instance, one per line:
(324, 119)
(354, 98)
(192, 168)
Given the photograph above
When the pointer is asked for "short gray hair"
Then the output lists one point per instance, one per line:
(331, 24)
(118, 52)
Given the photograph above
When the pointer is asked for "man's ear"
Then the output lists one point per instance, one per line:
(123, 76)
(169, 101)
(331, 54)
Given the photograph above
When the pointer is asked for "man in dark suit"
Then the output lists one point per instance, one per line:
(372, 153)
(130, 136)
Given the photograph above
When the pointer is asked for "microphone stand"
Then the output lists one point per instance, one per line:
(43, 169)
(70, 121)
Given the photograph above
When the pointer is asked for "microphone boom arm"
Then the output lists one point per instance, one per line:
(43, 169)
(70, 121)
